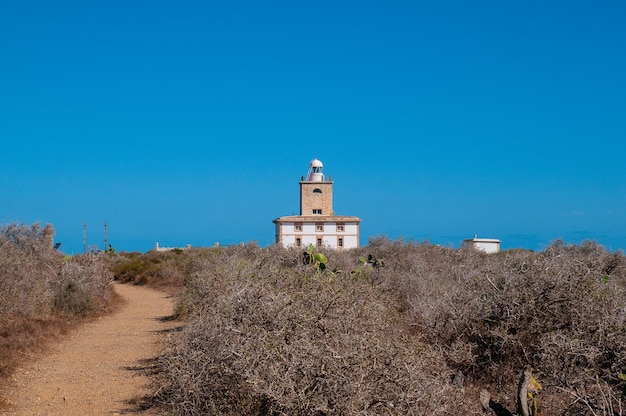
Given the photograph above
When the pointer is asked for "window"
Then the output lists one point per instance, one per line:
(317, 211)
(317, 191)
(298, 242)
(340, 242)
(319, 242)
(319, 227)
(340, 227)
(298, 227)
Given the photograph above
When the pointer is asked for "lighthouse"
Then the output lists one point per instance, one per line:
(317, 223)
(316, 193)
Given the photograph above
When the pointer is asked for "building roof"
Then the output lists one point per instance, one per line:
(481, 240)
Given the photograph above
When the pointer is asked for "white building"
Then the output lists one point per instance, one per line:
(488, 245)
(317, 223)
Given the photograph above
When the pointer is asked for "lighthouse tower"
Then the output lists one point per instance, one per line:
(316, 193)
(317, 223)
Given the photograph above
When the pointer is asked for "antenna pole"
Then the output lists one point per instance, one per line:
(105, 235)
(85, 237)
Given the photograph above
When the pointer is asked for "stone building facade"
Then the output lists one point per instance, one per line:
(317, 223)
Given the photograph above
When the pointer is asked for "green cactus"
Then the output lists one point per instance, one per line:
(318, 260)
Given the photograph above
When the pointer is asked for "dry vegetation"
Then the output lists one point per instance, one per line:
(164, 270)
(561, 311)
(42, 293)
(419, 329)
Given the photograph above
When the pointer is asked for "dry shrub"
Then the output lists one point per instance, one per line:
(40, 291)
(561, 311)
(28, 265)
(132, 267)
(35, 279)
(81, 285)
(268, 335)
(164, 270)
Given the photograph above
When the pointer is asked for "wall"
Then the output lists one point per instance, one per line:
(309, 235)
(487, 246)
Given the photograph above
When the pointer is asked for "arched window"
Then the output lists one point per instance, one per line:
(317, 191)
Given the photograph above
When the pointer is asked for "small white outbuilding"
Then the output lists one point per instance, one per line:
(488, 245)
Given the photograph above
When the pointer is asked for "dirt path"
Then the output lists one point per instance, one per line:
(101, 368)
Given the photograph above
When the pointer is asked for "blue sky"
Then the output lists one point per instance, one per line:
(191, 122)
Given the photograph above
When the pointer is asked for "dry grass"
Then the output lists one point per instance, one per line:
(21, 338)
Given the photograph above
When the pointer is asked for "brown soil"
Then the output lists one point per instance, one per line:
(102, 368)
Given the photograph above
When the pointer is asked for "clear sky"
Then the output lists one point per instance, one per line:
(191, 122)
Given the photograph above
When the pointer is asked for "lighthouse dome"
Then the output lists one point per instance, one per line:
(315, 173)
(316, 163)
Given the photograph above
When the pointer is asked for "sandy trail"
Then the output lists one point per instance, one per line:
(103, 367)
